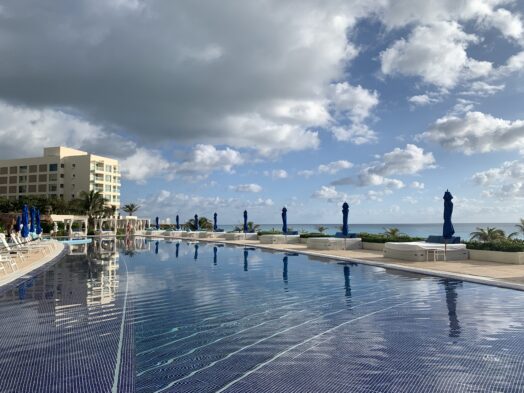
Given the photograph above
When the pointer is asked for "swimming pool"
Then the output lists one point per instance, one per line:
(177, 317)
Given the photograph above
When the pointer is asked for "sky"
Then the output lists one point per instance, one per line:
(224, 106)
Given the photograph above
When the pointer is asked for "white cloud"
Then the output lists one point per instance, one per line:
(277, 173)
(476, 132)
(422, 100)
(408, 161)
(410, 200)
(306, 173)
(143, 164)
(504, 182)
(357, 133)
(354, 101)
(334, 166)
(331, 194)
(510, 25)
(417, 185)
(444, 41)
(462, 106)
(483, 89)
(251, 187)
(205, 159)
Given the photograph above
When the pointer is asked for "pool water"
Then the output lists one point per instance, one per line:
(152, 316)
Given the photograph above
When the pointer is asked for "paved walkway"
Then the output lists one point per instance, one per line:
(32, 260)
(491, 273)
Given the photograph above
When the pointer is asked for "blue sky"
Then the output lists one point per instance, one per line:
(227, 106)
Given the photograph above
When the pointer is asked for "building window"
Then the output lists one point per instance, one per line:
(12, 189)
(3, 189)
(42, 178)
(108, 188)
(52, 188)
(33, 168)
(53, 167)
(22, 179)
(13, 169)
(74, 165)
(22, 189)
(61, 185)
(23, 169)
(13, 179)
(62, 166)
(42, 168)
(32, 178)
(53, 177)
(32, 188)
(73, 196)
(109, 168)
(42, 188)
(108, 178)
(3, 170)
(3, 180)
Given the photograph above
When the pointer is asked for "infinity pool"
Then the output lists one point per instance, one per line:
(149, 316)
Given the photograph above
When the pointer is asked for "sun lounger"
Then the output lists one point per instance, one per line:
(424, 251)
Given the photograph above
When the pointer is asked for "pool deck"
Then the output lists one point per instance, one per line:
(33, 261)
(482, 272)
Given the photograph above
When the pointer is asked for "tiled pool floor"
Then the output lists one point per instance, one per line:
(198, 318)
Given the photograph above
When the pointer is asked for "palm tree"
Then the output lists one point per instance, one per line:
(203, 223)
(392, 232)
(488, 234)
(109, 211)
(92, 204)
(130, 208)
(520, 227)
(321, 228)
(251, 227)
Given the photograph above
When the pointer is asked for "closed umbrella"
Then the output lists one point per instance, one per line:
(157, 223)
(18, 224)
(38, 226)
(177, 246)
(156, 247)
(215, 250)
(284, 271)
(196, 252)
(284, 220)
(246, 254)
(25, 222)
(33, 220)
(245, 221)
(447, 229)
(197, 226)
(177, 223)
(215, 226)
(345, 213)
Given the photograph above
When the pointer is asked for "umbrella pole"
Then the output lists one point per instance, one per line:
(445, 249)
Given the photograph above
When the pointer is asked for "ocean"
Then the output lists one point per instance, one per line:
(423, 230)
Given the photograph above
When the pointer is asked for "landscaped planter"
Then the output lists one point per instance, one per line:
(515, 258)
(373, 246)
(279, 239)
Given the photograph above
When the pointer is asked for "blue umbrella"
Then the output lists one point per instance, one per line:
(215, 250)
(156, 247)
(284, 220)
(18, 224)
(197, 227)
(345, 213)
(215, 226)
(25, 221)
(157, 223)
(284, 271)
(177, 246)
(177, 222)
(447, 230)
(196, 252)
(32, 227)
(38, 226)
(245, 221)
(246, 254)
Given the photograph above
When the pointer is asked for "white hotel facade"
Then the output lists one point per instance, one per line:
(62, 173)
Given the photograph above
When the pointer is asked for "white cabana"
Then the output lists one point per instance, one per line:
(69, 221)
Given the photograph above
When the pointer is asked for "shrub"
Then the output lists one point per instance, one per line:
(313, 234)
(271, 232)
(507, 245)
(381, 238)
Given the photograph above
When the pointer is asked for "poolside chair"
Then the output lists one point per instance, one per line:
(7, 249)
(7, 259)
(28, 245)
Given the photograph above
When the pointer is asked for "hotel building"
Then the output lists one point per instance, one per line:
(61, 173)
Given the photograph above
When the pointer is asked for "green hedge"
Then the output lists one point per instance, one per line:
(379, 238)
(314, 234)
(269, 233)
(499, 245)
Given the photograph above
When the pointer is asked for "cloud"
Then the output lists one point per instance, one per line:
(142, 165)
(167, 70)
(358, 134)
(205, 159)
(422, 100)
(483, 89)
(306, 173)
(410, 200)
(331, 194)
(251, 187)
(353, 101)
(277, 173)
(440, 40)
(510, 25)
(504, 182)
(408, 161)
(417, 185)
(476, 132)
(330, 168)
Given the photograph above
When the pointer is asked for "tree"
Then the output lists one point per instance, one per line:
(392, 232)
(520, 227)
(130, 208)
(92, 204)
(251, 227)
(489, 234)
(321, 228)
(203, 223)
